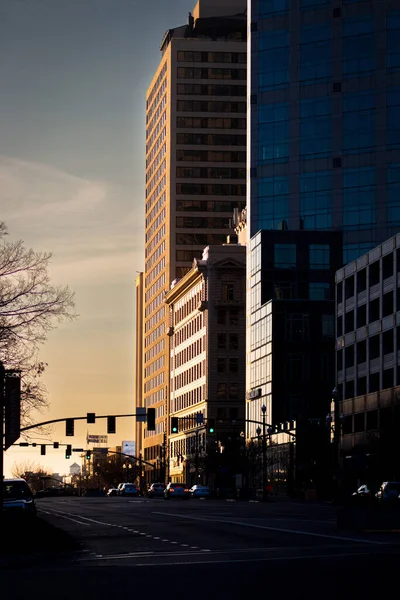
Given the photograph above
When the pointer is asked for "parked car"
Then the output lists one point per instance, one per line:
(176, 490)
(18, 497)
(129, 489)
(389, 491)
(364, 495)
(112, 492)
(120, 486)
(200, 491)
(156, 490)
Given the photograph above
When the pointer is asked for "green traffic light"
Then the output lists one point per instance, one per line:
(211, 430)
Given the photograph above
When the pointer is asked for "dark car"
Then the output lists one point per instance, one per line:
(156, 490)
(18, 497)
(129, 489)
(176, 490)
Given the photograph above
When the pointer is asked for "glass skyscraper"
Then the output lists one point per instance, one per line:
(325, 118)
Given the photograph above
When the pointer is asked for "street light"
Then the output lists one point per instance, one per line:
(264, 452)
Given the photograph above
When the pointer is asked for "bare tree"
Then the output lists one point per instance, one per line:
(26, 467)
(30, 306)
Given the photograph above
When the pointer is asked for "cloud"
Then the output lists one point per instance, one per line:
(91, 227)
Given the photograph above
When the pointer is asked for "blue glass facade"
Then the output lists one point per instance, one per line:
(325, 118)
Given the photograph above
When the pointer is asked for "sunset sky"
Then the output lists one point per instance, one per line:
(72, 152)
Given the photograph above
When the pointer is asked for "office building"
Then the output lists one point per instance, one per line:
(195, 169)
(324, 118)
(207, 335)
(367, 360)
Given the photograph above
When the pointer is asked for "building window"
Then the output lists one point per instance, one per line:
(233, 317)
(319, 290)
(233, 391)
(359, 122)
(233, 365)
(221, 391)
(272, 202)
(221, 316)
(319, 256)
(221, 341)
(296, 368)
(316, 200)
(285, 256)
(228, 292)
(233, 341)
(315, 127)
(268, 7)
(358, 46)
(328, 326)
(297, 327)
(273, 59)
(316, 53)
(221, 365)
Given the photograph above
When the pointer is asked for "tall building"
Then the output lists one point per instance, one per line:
(325, 118)
(367, 359)
(195, 169)
(207, 341)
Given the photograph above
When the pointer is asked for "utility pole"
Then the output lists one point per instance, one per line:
(197, 456)
(2, 378)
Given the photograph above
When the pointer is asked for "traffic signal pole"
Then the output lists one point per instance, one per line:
(2, 377)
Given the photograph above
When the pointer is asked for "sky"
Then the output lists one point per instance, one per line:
(73, 80)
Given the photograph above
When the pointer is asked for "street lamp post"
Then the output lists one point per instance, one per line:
(336, 427)
(264, 452)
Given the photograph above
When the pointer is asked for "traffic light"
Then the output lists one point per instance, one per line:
(91, 418)
(68, 451)
(69, 427)
(211, 425)
(151, 419)
(43, 449)
(111, 426)
(56, 445)
(174, 424)
(88, 454)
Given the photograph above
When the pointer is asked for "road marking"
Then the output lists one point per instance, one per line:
(68, 518)
(252, 560)
(280, 529)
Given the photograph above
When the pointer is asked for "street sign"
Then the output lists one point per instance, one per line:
(97, 439)
(141, 414)
(12, 410)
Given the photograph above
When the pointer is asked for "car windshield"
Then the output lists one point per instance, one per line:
(130, 487)
(393, 487)
(16, 490)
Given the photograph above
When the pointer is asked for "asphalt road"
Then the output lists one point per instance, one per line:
(207, 549)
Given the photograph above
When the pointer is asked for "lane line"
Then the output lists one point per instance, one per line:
(61, 516)
(279, 529)
(252, 560)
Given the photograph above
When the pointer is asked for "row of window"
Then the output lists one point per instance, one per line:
(211, 172)
(158, 119)
(187, 306)
(154, 366)
(195, 155)
(285, 256)
(228, 316)
(150, 246)
(368, 385)
(158, 135)
(156, 333)
(184, 447)
(227, 341)
(202, 89)
(211, 139)
(188, 399)
(155, 256)
(156, 224)
(157, 153)
(154, 382)
(160, 266)
(187, 377)
(156, 349)
(158, 87)
(155, 397)
(200, 239)
(156, 208)
(211, 73)
(368, 313)
(212, 57)
(189, 352)
(211, 123)
(182, 334)
(202, 222)
(199, 106)
(368, 350)
(375, 273)
(154, 304)
(157, 285)
(210, 189)
(151, 167)
(216, 206)
(227, 365)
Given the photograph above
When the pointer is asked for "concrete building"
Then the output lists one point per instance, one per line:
(74, 469)
(195, 170)
(324, 115)
(367, 361)
(207, 364)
